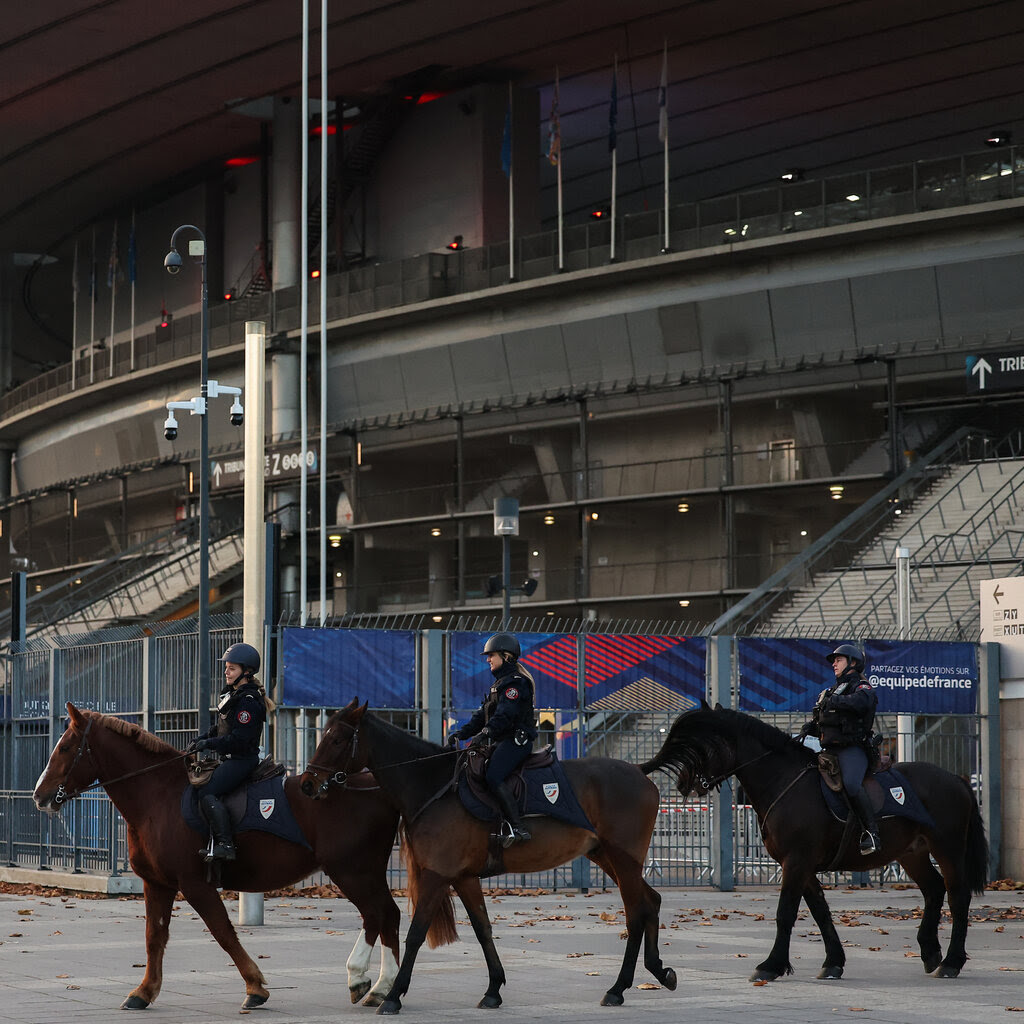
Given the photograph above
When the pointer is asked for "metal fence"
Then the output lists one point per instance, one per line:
(150, 680)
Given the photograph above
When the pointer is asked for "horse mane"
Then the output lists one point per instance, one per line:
(705, 739)
(146, 740)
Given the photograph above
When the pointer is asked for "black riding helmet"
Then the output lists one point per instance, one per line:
(850, 652)
(245, 655)
(503, 643)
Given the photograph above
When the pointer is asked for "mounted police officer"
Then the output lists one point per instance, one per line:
(843, 719)
(241, 714)
(506, 719)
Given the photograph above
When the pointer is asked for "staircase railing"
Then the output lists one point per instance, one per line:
(838, 545)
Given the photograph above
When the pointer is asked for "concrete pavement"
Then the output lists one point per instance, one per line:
(65, 958)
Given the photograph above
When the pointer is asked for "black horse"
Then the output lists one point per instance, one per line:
(780, 778)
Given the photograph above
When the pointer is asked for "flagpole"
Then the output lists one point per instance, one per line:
(131, 276)
(663, 132)
(304, 314)
(74, 315)
(112, 272)
(323, 311)
(511, 193)
(561, 245)
(613, 113)
(92, 308)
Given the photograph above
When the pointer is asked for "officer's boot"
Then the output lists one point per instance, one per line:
(220, 825)
(869, 840)
(503, 794)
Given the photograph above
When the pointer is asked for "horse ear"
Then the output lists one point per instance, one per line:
(362, 710)
(718, 706)
(352, 704)
(76, 716)
(704, 705)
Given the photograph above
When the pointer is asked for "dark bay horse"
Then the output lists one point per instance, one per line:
(448, 848)
(780, 778)
(351, 838)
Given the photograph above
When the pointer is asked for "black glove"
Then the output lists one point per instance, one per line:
(196, 745)
(803, 733)
(480, 739)
(453, 740)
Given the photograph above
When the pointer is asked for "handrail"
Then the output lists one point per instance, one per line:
(864, 520)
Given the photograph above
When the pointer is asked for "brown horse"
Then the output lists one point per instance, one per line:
(446, 847)
(351, 838)
(780, 778)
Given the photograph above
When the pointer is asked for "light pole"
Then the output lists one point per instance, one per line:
(197, 407)
(506, 526)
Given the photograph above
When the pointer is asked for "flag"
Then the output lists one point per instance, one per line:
(663, 99)
(506, 143)
(114, 264)
(613, 112)
(132, 254)
(554, 153)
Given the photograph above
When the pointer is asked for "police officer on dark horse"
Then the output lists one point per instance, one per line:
(843, 718)
(506, 719)
(235, 736)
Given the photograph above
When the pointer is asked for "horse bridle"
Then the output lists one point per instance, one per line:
(63, 794)
(339, 777)
(707, 784)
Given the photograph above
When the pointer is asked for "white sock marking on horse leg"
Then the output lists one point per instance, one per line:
(358, 962)
(388, 972)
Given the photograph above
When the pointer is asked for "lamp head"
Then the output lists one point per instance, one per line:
(170, 427)
(173, 261)
(236, 413)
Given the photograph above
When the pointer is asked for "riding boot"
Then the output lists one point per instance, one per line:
(503, 794)
(869, 841)
(220, 825)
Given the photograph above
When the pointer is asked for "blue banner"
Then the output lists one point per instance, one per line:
(642, 673)
(911, 677)
(328, 667)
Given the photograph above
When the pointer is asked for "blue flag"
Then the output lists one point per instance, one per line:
(506, 142)
(613, 112)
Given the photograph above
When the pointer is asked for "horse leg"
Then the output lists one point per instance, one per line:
(472, 898)
(208, 905)
(159, 901)
(959, 894)
(918, 865)
(357, 967)
(777, 962)
(433, 889)
(382, 923)
(835, 955)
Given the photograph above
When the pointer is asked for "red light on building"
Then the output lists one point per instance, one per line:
(332, 129)
(597, 214)
(240, 161)
(429, 97)
(314, 273)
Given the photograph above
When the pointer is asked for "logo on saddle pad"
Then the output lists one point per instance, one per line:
(897, 794)
(550, 790)
(266, 808)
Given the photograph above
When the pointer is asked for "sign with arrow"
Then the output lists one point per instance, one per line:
(995, 371)
(1002, 621)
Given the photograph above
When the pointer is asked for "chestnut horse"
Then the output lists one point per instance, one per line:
(351, 838)
(780, 778)
(448, 848)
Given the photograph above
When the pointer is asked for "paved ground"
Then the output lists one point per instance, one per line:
(71, 959)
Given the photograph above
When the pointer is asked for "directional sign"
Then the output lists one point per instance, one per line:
(1002, 621)
(996, 371)
(282, 462)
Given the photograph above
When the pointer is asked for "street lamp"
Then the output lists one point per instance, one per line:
(506, 526)
(197, 407)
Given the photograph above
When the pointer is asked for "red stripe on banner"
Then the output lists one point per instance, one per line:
(610, 656)
(557, 660)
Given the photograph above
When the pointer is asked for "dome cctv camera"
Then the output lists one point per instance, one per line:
(236, 413)
(173, 261)
(170, 428)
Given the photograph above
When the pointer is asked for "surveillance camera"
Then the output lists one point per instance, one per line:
(236, 413)
(172, 261)
(170, 428)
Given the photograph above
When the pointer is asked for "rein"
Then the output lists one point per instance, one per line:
(62, 794)
(706, 783)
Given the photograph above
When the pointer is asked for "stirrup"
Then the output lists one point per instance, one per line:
(869, 843)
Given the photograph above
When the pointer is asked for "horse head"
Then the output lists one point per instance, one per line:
(337, 754)
(71, 767)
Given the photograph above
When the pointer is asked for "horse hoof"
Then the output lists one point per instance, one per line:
(612, 999)
(134, 1002)
(947, 971)
(762, 975)
(830, 973)
(356, 992)
(373, 999)
(254, 999)
(489, 1002)
(931, 963)
(389, 1007)
(668, 979)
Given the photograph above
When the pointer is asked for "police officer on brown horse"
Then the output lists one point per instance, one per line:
(506, 719)
(843, 719)
(236, 735)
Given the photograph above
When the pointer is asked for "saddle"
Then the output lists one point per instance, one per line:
(832, 776)
(474, 766)
(201, 765)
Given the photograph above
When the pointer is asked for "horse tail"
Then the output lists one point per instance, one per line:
(976, 848)
(442, 930)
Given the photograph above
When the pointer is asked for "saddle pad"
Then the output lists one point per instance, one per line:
(898, 799)
(547, 791)
(258, 806)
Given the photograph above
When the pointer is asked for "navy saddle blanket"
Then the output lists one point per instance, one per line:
(258, 806)
(547, 791)
(898, 799)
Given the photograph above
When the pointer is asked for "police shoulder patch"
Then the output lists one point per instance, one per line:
(512, 693)
(244, 717)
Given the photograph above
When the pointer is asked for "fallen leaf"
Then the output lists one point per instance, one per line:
(858, 1009)
(261, 956)
(1000, 928)
(1016, 1009)
(14, 935)
(571, 956)
(740, 956)
(63, 975)
(24, 913)
(593, 974)
(73, 986)
(760, 983)
(874, 949)
(605, 916)
(648, 986)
